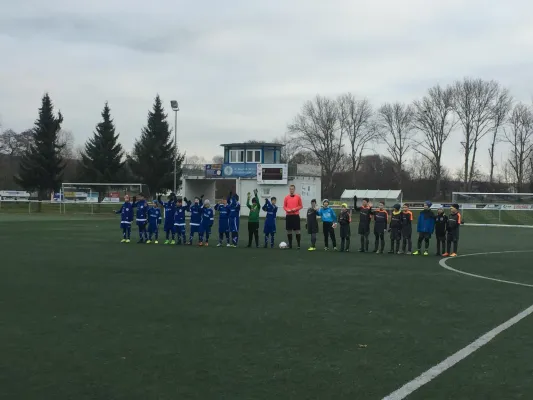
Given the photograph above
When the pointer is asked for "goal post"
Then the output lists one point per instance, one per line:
(93, 198)
(496, 209)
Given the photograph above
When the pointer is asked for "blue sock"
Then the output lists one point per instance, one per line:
(128, 229)
(124, 230)
(271, 240)
(141, 234)
(235, 238)
(266, 239)
(201, 237)
(157, 234)
(168, 234)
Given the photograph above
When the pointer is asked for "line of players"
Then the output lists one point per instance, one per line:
(399, 225)
(148, 219)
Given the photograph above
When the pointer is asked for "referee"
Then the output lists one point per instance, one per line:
(292, 206)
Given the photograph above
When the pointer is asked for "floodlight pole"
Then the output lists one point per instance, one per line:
(175, 108)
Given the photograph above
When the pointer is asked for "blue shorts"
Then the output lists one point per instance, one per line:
(270, 227)
(169, 226)
(153, 228)
(179, 229)
(205, 229)
(141, 224)
(125, 225)
(194, 228)
(223, 225)
(234, 224)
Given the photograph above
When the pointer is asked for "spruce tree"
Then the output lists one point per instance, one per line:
(152, 159)
(102, 159)
(41, 167)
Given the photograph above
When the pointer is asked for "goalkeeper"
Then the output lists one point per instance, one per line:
(329, 219)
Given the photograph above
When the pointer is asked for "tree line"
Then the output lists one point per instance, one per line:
(43, 153)
(339, 133)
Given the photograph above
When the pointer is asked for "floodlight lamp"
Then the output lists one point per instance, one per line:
(174, 105)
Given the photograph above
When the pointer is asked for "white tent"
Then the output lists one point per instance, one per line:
(390, 197)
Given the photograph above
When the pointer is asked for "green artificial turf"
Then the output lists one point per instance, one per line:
(86, 317)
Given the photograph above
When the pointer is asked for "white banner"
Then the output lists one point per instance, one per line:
(14, 193)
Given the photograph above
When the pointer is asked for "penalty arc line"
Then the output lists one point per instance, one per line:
(449, 362)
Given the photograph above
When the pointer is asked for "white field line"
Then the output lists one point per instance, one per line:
(449, 362)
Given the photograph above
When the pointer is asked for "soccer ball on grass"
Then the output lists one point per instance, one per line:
(283, 245)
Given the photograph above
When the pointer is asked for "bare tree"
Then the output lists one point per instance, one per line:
(317, 130)
(355, 124)
(218, 160)
(66, 139)
(520, 137)
(15, 144)
(396, 121)
(500, 114)
(290, 148)
(474, 103)
(434, 118)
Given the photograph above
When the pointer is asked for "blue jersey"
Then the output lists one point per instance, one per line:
(142, 210)
(126, 212)
(271, 211)
(154, 216)
(170, 209)
(207, 216)
(234, 208)
(196, 213)
(179, 216)
(223, 211)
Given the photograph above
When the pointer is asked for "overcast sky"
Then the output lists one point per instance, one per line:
(242, 69)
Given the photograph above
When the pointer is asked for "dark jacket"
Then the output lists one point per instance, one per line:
(312, 222)
(454, 222)
(441, 221)
(381, 218)
(345, 218)
(395, 221)
(406, 222)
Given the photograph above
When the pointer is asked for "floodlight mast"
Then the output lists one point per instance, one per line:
(175, 107)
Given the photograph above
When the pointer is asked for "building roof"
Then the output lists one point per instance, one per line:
(248, 144)
(371, 194)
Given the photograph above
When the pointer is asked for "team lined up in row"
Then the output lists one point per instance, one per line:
(399, 225)
(148, 218)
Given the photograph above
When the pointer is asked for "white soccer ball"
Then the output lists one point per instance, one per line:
(283, 245)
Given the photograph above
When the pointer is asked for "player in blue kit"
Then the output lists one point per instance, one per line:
(179, 219)
(196, 217)
(154, 220)
(206, 223)
(170, 211)
(141, 217)
(270, 222)
(126, 218)
(234, 218)
(223, 222)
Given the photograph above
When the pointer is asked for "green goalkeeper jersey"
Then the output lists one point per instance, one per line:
(254, 210)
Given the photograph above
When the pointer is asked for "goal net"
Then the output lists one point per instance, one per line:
(496, 209)
(94, 198)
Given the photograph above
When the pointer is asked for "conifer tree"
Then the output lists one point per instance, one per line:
(41, 167)
(152, 159)
(102, 158)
